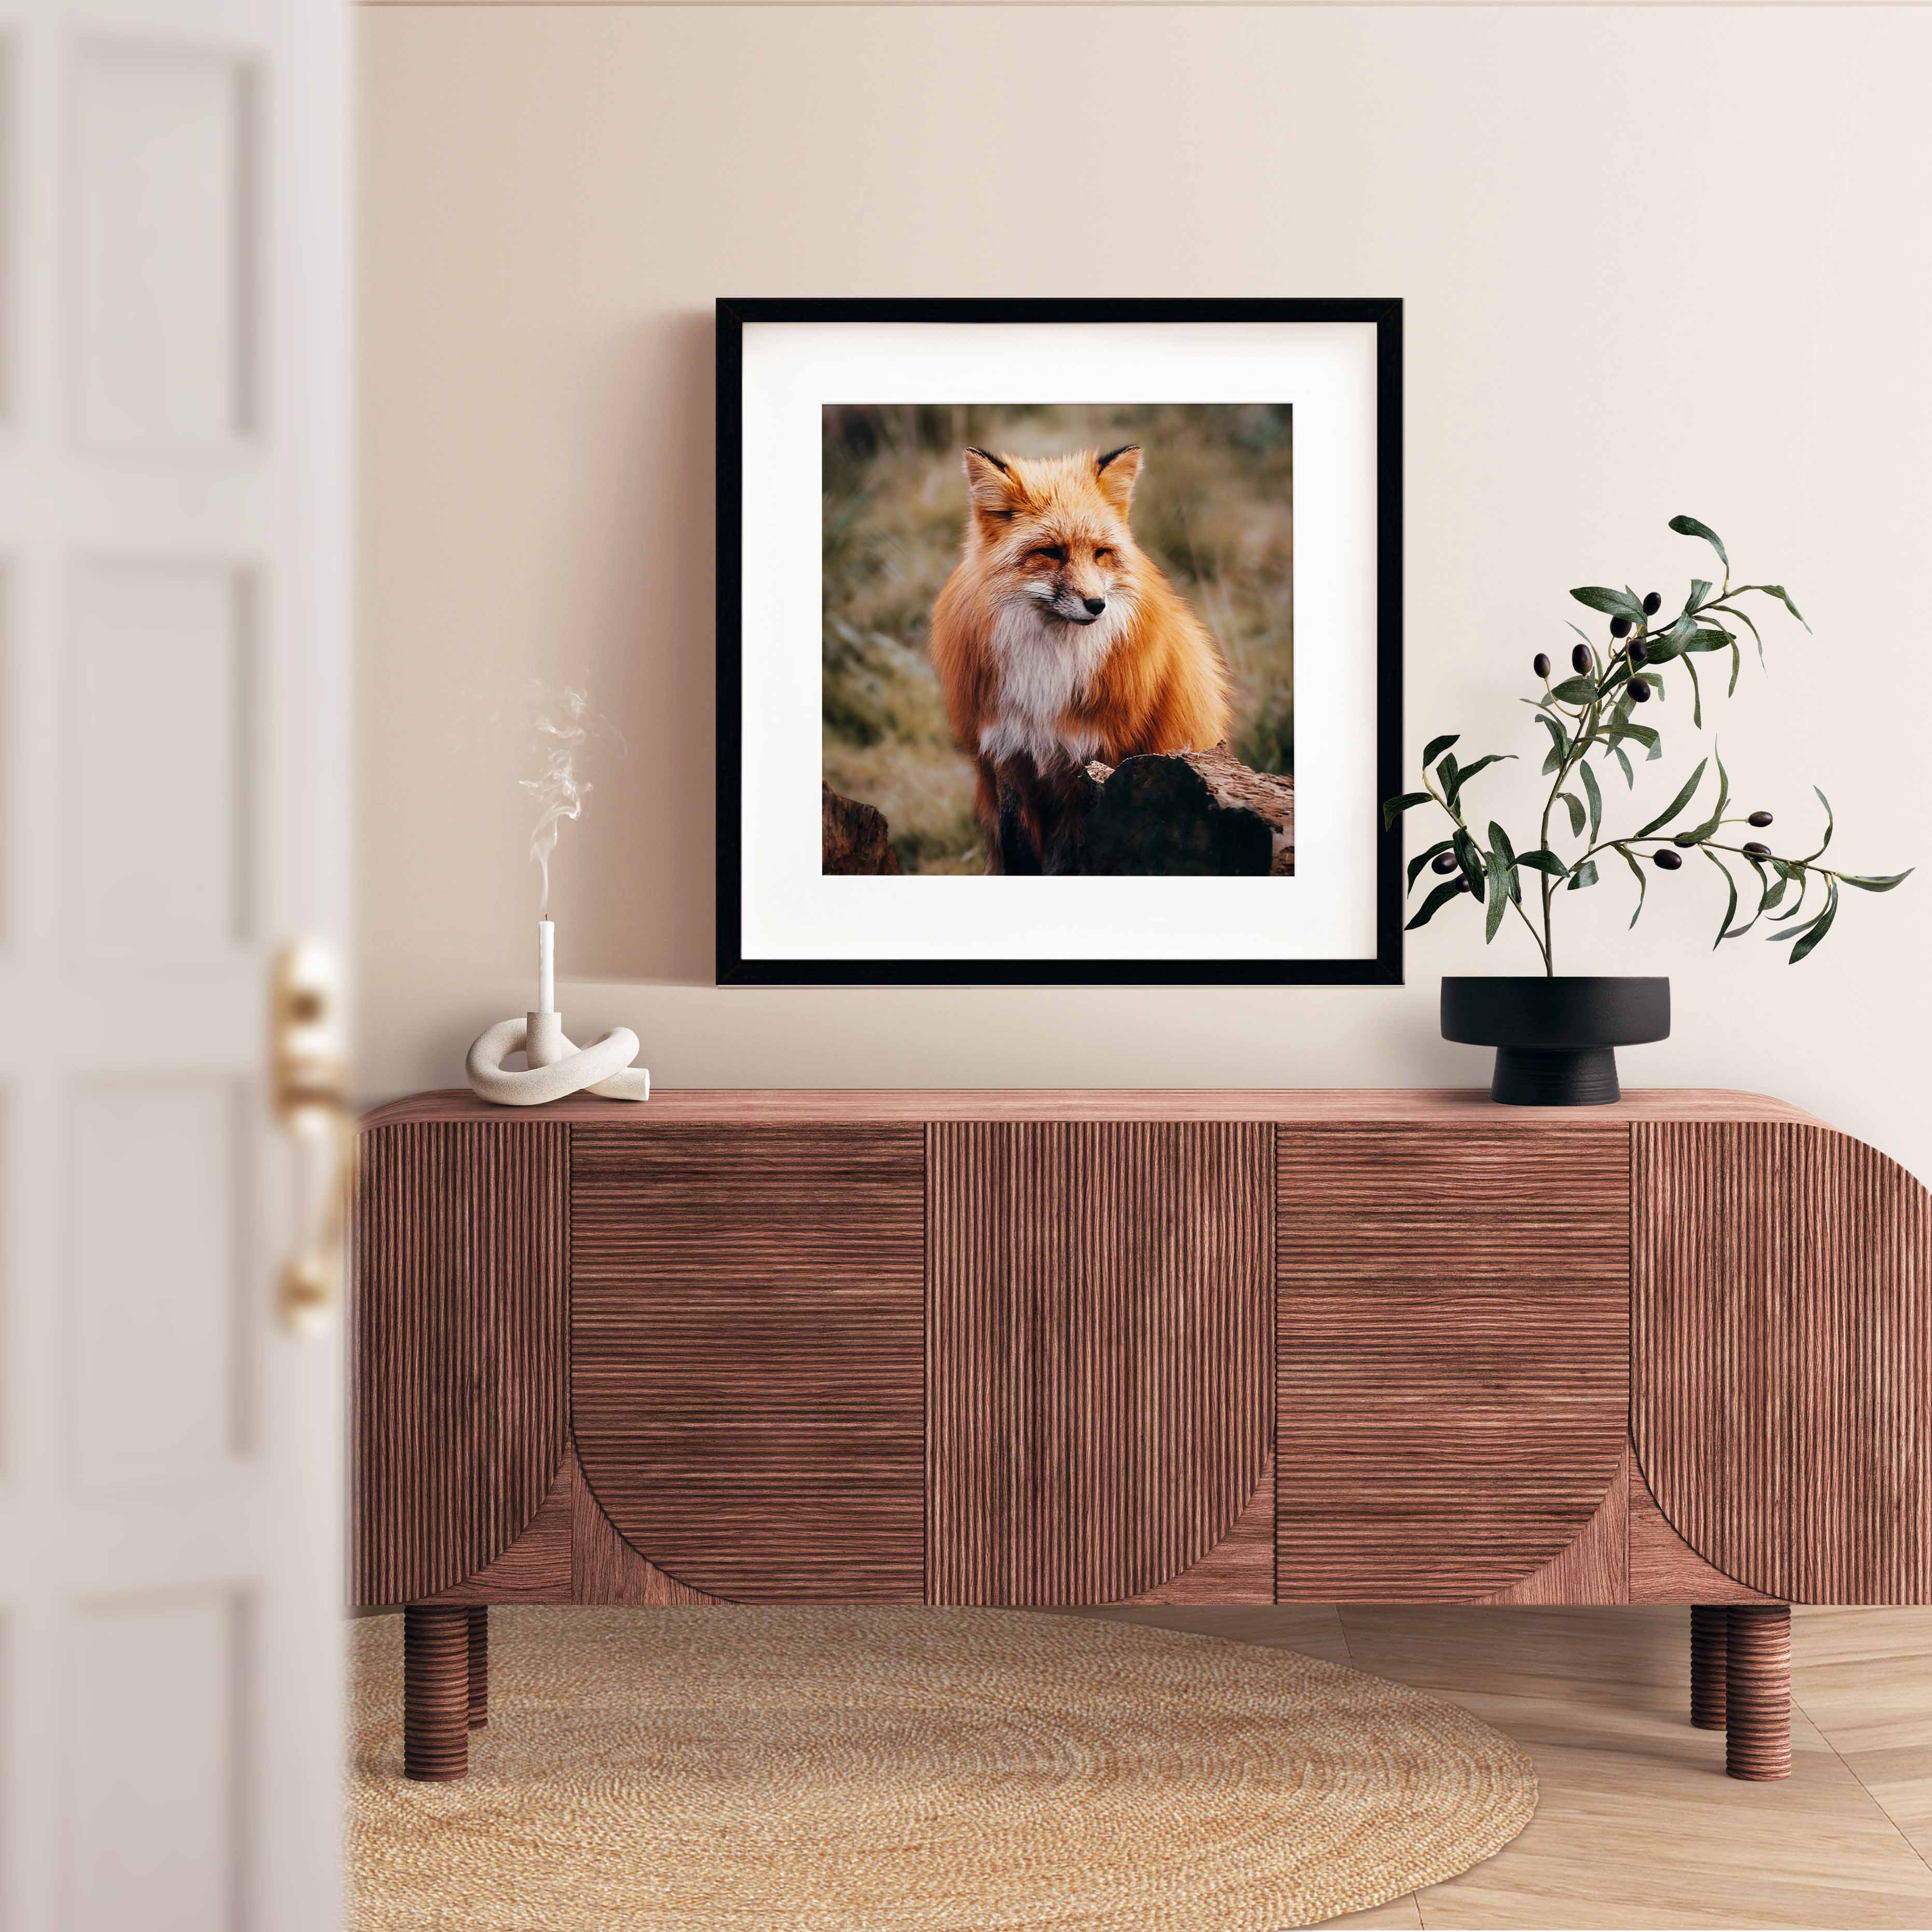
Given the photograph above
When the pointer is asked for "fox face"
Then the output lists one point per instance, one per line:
(1059, 528)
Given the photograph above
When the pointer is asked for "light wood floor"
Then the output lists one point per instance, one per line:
(1637, 1824)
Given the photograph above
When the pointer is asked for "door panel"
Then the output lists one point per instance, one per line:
(174, 586)
(747, 1354)
(1102, 1352)
(1455, 1354)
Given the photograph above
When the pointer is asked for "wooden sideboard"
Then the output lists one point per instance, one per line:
(1054, 1347)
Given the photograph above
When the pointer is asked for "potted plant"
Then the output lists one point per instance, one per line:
(1555, 1035)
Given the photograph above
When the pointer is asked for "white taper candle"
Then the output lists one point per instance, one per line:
(546, 966)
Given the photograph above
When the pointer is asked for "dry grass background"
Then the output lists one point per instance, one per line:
(1214, 508)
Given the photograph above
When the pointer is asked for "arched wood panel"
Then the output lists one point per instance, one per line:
(1455, 1339)
(456, 1347)
(1102, 1345)
(747, 1360)
(1782, 1330)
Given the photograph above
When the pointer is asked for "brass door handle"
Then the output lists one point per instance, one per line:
(308, 1091)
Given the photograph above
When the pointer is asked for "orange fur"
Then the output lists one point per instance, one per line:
(1037, 681)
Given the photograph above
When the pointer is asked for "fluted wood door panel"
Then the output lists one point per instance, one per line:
(458, 1346)
(1454, 1367)
(1783, 1403)
(1101, 1331)
(748, 1353)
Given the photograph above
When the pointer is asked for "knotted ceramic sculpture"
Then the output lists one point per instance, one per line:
(555, 1065)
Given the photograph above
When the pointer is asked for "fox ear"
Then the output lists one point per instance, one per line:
(1117, 473)
(994, 489)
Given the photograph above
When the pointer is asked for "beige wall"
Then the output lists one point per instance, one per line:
(1656, 258)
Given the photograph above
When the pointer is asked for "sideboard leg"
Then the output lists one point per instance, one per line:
(1757, 1743)
(1710, 1637)
(435, 1691)
(479, 1666)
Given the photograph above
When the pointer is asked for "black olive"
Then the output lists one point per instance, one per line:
(1653, 604)
(1666, 860)
(1757, 848)
(1540, 664)
(1635, 650)
(1444, 862)
(1619, 627)
(1758, 818)
(1639, 691)
(1685, 838)
(1581, 661)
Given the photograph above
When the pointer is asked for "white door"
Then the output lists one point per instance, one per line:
(174, 421)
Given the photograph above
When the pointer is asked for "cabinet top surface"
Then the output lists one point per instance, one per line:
(1310, 1105)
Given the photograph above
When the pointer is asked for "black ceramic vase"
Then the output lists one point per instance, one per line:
(1555, 1038)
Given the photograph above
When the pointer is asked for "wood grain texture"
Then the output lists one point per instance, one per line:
(1100, 1334)
(1311, 1105)
(1757, 1691)
(604, 1569)
(747, 1354)
(1240, 1569)
(1782, 1336)
(1710, 1646)
(479, 1666)
(536, 1567)
(1594, 1569)
(1663, 1568)
(457, 1348)
(1454, 1365)
(435, 1692)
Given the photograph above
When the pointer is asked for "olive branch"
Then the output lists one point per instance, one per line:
(1594, 710)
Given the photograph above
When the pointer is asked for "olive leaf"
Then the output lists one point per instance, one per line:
(1697, 698)
(1422, 859)
(1574, 690)
(1596, 799)
(1677, 804)
(1882, 883)
(1449, 889)
(1784, 596)
(1711, 824)
(1500, 847)
(1643, 879)
(1395, 807)
(1731, 910)
(1630, 770)
(1830, 824)
(1499, 897)
(1538, 860)
(1576, 806)
(1469, 857)
(1585, 875)
(1436, 747)
(1689, 526)
(1559, 743)
(1816, 931)
(1614, 603)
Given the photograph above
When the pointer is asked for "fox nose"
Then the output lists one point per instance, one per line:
(1095, 605)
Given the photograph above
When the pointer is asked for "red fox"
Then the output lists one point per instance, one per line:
(1058, 640)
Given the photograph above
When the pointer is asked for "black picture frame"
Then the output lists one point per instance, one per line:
(1385, 969)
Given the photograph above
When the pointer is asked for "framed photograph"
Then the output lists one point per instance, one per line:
(1059, 642)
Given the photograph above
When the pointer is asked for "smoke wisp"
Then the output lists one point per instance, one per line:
(564, 725)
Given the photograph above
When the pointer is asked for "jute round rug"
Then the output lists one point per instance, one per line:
(911, 1770)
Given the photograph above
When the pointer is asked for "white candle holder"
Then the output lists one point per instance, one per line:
(554, 1064)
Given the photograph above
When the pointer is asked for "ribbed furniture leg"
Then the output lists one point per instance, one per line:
(435, 1691)
(1710, 1638)
(1757, 1743)
(479, 1666)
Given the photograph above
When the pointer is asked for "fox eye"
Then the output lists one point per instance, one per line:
(1054, 553)
(1103, 555)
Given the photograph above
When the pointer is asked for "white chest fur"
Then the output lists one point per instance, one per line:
(1045, 667)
